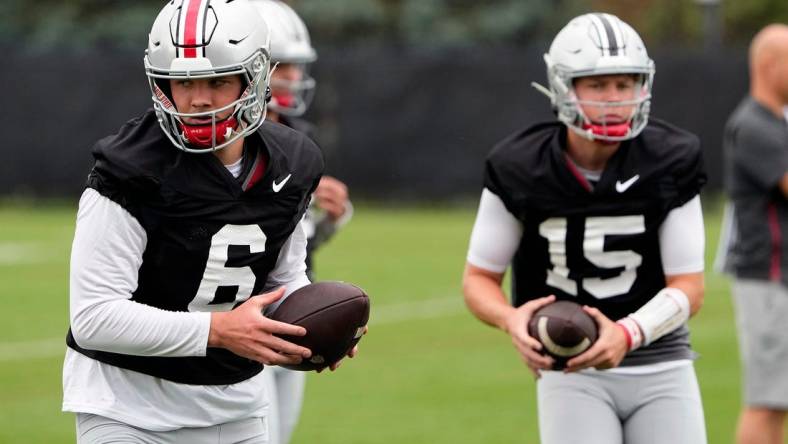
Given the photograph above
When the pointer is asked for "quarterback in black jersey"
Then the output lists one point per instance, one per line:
(601, 208)
(188, 230)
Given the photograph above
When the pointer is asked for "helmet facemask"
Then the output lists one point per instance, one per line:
(248, 111)
(598, 45)
(569, 109)
(292, 97)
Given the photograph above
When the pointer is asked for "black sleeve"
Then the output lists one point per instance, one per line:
(503, 179)
(690, 172)
(128, 164)
(762, 154)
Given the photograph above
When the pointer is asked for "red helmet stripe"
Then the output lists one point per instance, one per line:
(191, 28)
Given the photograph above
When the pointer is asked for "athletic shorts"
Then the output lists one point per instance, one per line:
(762, 322)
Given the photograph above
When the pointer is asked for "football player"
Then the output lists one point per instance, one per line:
(601, 207)
(292, 91)
(188, 229)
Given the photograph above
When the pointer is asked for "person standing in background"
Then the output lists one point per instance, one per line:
(292, 90)
(754, 247)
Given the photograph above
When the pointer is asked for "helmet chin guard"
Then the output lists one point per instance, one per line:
(614, 130)
(594, 45)
(206, 136)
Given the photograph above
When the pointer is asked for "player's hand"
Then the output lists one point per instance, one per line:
(331, 196)
(609, 349)
(246, 332)
(351, 354)
(516, 325)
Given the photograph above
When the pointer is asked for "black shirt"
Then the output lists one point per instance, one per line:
(756, 155)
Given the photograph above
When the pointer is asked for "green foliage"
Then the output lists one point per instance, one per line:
(422, 22)
(77, 23)
(745, 18)
(408, 22)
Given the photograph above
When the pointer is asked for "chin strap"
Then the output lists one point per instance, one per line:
(201, 136)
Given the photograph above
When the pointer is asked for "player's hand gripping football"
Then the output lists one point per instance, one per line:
(351, 354)
(607, 352)
(529, 347)
(246, 332)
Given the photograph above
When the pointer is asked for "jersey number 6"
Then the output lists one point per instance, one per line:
(222, 286)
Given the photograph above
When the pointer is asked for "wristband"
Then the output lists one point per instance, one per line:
(632, 332)
(665, 312)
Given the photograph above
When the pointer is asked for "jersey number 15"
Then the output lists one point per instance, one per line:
(596, 228)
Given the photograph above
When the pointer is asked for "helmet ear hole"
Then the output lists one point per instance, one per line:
(268, 94)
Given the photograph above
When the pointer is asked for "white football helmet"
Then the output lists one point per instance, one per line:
(196, 39)
(590, 45)
(290, 43)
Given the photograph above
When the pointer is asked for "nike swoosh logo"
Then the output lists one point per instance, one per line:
(623, 186)
(278, 186)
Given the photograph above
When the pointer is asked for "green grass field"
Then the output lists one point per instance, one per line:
(428, 372)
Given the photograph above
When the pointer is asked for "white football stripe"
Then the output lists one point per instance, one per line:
(556, 349)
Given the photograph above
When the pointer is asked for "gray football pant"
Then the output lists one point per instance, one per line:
(285, 391)
(95, 429)
(598, 407)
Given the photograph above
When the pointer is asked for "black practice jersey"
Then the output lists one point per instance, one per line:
(206, 230)
(597, 245)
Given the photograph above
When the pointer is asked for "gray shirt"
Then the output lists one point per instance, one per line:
(756, 152)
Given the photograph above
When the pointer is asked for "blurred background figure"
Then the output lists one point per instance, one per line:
(755, 246)
(292, 90)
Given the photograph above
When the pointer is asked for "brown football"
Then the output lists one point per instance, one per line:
(564, 330)
(334, 315)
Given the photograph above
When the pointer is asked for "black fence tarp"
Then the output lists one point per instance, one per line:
(395, 123)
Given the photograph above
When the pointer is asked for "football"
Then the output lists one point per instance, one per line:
(334, 315)
(564, 330)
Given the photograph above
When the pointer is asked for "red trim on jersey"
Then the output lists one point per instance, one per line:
(775, 270)
(190, 33)
(578, 175)
(259, 171)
